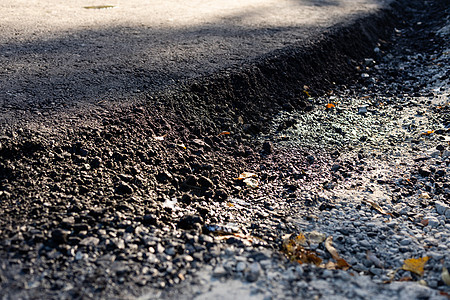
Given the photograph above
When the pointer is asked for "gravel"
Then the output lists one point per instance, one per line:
(144, 207)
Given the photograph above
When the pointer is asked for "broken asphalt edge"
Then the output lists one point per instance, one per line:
(277, 80)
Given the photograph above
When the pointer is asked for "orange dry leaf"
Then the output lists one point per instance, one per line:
(245, 175)
(330, 106)
(224, 132)
(415, 265)
(295, 251)
(340, 262)
(428, 132)
(307, 94)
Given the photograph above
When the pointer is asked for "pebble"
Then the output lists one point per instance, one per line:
(253, 273)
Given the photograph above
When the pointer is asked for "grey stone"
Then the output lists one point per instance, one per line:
(433, 221)
(219, 272)
(253, 273)
(441, 207)
(89, 241)
(241, 266)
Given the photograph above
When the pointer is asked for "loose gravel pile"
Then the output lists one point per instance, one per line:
(143, 206)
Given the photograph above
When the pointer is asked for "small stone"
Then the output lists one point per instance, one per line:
(254, 271)
(124, 188)
(90, 241)
(219, 272)
(441, 207)
(405, 242)
(362, 110)
(267, 147)
(369, 62)
(433, 221)
(60, 236)
(241, 266)
(205, 182)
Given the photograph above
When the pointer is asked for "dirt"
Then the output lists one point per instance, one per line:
(87, 201)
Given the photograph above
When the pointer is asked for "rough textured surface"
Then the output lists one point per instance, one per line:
(56, 56)
(146, 200)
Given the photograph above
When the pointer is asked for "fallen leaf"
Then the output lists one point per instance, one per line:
(445, 276)
(307, 94)
(244, 175)
(340, 262)
(377, 207)
(330, 106)
(424, 222)
(428, 132)
(182, 146)
(415, 265)
(224, 132)
(293, 247)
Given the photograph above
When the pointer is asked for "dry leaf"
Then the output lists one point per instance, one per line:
(224, 132)
(340, 262)
(330, 106)
(377, 207)
(293, 247)
(415, 265)
(244, 175)
(307, 94)
(428, 132)
(445, 276)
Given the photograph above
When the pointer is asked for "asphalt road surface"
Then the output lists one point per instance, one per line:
(56, 54)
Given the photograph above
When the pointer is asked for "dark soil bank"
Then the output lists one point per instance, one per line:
(114, 206)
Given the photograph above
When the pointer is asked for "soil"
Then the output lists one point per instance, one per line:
(115, 205)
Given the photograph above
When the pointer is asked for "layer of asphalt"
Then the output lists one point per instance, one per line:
(61, 60)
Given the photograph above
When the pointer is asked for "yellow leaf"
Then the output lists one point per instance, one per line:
(415, 265)
(330, 106)
(224, 132)
(428, 132)
(307, 94)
